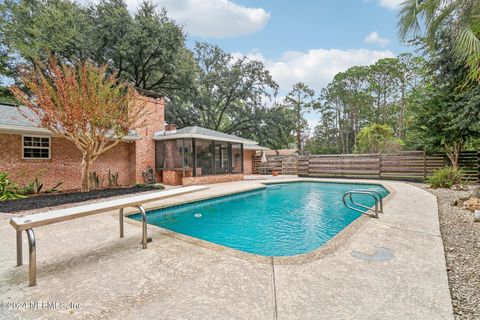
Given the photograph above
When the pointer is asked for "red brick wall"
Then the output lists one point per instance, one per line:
(64, 164)
(145, 147)
(188, 181)
(129, 159)
(248, 161)
(172, 177)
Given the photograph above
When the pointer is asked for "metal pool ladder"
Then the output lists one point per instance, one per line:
(374, 194)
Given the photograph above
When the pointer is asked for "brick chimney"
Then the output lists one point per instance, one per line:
(152, 122)
(171, 127)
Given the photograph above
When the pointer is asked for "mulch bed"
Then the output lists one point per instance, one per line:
(58, 199)
(461, 240)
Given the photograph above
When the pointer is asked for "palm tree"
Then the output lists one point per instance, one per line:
(460, 16)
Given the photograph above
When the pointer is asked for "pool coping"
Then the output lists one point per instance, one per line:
(327, 248)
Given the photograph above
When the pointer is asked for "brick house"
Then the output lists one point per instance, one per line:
(29, 150)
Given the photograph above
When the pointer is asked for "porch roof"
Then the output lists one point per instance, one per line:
(254, 147)
(200, 133)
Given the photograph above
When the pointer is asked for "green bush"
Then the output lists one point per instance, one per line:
(377, 138)
(446, 177)
(154, 186)
(35, 187)
(8, 189)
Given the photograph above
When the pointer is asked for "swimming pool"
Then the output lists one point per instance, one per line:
(281, 220)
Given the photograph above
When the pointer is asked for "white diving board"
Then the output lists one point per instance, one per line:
(28, 222)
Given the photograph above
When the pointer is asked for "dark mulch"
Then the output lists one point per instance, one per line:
(57, 199)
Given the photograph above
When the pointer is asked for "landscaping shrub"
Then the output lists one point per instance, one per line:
(35, 187)
(112, 179)
(157, 186)
(377, 138)
(8, 189)
(446, 177)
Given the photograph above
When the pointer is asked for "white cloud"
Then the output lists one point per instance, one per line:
(209, 18)
(215, 18)
(255, 54)
(391, 4)
(316, 67)
(375, 38)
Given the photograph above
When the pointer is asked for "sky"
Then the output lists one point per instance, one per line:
(298, 41)
(305, 40)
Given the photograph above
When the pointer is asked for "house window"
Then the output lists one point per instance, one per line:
(36, 147)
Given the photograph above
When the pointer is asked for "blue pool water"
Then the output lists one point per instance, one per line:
(281, 220)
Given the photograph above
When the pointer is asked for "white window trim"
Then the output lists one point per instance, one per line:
(37, 136)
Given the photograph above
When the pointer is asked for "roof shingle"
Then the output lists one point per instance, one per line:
(199, 132)
(13, 115)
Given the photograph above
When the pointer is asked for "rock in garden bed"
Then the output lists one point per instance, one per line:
(461, 240)
(57, 199)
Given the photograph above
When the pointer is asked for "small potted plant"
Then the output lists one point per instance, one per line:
(274, 173)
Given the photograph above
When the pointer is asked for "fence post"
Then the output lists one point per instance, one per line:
(380, 165)
(342, 163)
(308, 160)
(424, 165)
(296, 164)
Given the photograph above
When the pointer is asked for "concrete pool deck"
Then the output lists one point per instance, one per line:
(388, 268)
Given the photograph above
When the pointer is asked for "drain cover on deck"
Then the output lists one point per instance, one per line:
(382, 254)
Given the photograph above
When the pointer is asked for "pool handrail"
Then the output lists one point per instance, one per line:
(375, 192)
(349, 193)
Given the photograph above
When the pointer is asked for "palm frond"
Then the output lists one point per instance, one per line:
(430, 10)
(467, 47)
(466, 43)
(409, 18)
(437, 19)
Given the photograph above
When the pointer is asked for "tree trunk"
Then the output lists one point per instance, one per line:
(299, 127)
(453, 153)
(299, 140)
(86, 162)
(453, 156)
(401, 115)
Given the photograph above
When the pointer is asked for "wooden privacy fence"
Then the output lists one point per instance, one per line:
(469, 161)
(407, 165)
(281, 164)
(401, 166)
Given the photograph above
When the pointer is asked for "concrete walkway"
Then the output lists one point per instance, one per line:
(390, 268)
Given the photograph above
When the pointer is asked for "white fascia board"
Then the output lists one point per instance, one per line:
(25, 130)
(200, 136)
(9, 129)
(256, 147)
